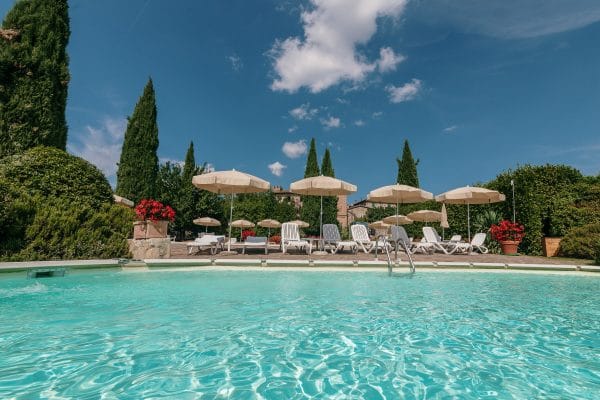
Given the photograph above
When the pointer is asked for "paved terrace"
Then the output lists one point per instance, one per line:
(179, 251)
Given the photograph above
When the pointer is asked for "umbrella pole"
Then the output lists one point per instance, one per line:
(230, 220)
(469, 221)
(321, 223)
(397, 214)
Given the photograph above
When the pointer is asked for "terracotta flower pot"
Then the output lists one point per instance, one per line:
(150, 229)
(550, 245)
(509, 247)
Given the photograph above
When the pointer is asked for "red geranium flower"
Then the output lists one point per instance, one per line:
(507, 230)
(154, 211)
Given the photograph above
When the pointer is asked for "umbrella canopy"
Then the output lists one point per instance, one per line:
(122, 201)
(397, 220)
(399, 194)
(207, 221)
(230, 182)
(322, 186)
(269, 223)
(425, 216)
(301, 224)
(379, 225)
(242, 223)
(470, 195)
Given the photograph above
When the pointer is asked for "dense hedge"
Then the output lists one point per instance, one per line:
(50, 172)
(550, 200)
(581, 242)
(58, 206)
(65, 230)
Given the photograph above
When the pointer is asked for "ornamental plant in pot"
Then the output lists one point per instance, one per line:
(154, 218)
(509, 235)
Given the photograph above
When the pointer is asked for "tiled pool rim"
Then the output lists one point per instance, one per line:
(267, 264)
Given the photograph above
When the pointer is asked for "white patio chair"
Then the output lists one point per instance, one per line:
(360, 235)
(211, 242)
(332, 237)
(255, 242)
(432, 237)
(290, 237)
(477, 243)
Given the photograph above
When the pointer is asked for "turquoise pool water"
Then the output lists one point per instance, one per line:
(293, 335)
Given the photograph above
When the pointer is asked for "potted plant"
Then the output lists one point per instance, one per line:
(154, 218)
(552, 235)
(509, 235)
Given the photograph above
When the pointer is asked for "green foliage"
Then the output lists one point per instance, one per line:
(550, 200)
(311, 205)
(255, 207)
(50, 172)
(16, 213)
(34, 76)
(581, 242)
(174, 187)
(62, 229)
(329, 202)
(138, 165)
(407, 168)
(597, 254)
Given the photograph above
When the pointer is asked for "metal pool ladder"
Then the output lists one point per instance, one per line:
(389, 258)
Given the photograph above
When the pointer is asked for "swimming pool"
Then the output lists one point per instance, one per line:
(284, 335)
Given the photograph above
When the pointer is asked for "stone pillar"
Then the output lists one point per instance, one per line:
(141, 249)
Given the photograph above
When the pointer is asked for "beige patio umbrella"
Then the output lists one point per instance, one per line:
(301, 224)
(242, 224)
(444, 220)
(399, 194)
(122, 201)
(397, 220)
(470, 195)
(322, 186)
(207, 221)
(380, 225)
(425, 216)
(269, 223)
(230, 182)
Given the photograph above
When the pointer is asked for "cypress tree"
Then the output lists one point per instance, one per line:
(407, 168)
(34, 75)
(138, 166)
(329, 202)
(311, 205)
(189, 193)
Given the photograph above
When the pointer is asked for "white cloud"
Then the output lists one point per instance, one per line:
(293, 129)
(388, 60)
(331, 122)
(277, 168)
(359, 122)
(304, 112)
(236, 62)
(342, 101)
(327, 54)
(101, 145)
(405, 92)
(450, 128)
(294, 149)
(377, 114)
(209, 168)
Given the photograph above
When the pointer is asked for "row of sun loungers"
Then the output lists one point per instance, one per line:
(361, 241)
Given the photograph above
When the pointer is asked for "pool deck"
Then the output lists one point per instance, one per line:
(346, 261)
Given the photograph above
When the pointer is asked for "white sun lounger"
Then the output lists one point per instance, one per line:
(333, 239)
(290, 237)
(211, 242)
(360, 235)
(477, 243)
(255, 242)
(432, 237)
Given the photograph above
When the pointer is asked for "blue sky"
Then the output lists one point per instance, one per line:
(476, 87)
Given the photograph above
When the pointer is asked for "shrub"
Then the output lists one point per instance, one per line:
(275, 239)
(247, 232)
(16, 213)
(50, 172)
(65, 230)
(582, 242)
(149, 209)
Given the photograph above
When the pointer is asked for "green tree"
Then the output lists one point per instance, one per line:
(138, 165)
(329, 202)
(407, 168)
(311, 205)
(34, 75)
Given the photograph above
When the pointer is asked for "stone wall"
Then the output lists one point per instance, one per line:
(150, 248)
